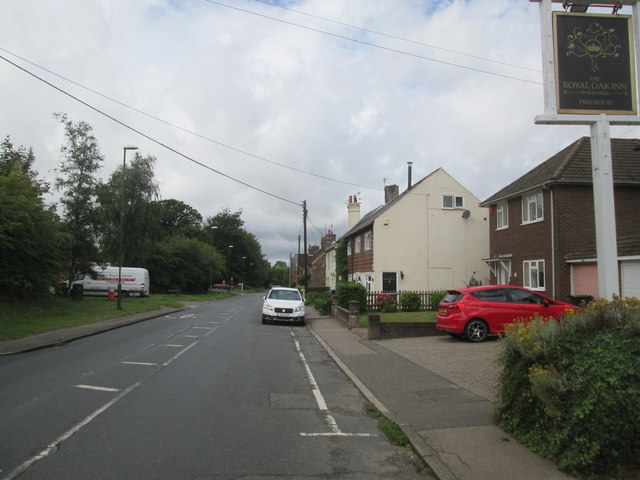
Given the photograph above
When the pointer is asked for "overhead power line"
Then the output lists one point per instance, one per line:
(148, 137)
(381, 47)
(191, 132)
(395, 37)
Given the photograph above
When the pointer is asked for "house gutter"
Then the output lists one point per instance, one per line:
(553, 242)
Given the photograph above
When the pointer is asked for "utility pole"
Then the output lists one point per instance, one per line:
(304, 223)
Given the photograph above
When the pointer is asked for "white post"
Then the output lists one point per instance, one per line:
(604, 207)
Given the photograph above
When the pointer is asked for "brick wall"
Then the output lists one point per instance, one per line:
(378, 329)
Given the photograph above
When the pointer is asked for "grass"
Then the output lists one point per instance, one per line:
(415, 317)
(391, 429)
(19, 318)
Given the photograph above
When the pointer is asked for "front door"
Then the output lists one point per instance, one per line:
(389, 281)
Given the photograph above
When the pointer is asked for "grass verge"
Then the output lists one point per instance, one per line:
(20, 318)
(392, 430)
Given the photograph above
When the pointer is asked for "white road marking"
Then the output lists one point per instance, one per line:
(100, 389)
(172, 345)
(147, 364)
(188, 315)
(65, 436)
(322, 405)
(177, 355)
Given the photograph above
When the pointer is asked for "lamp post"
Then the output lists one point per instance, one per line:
(242, 276)
(121, 255)
(229, 264)
(211, 264)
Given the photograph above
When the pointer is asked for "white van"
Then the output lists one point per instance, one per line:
(135, 281)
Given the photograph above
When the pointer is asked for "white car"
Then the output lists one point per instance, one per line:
(283, 305)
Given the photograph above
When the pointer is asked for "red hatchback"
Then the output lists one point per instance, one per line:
(476, 312)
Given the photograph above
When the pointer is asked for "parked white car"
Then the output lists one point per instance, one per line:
(283, 305)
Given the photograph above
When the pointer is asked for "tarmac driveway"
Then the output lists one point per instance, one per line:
(470, 365)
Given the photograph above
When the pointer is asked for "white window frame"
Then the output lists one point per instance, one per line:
(532, 208)
(367, 241)
(457, 201)
(358, 244)
(349, 248)
(502, 216)
(503, 272)
(533, 274)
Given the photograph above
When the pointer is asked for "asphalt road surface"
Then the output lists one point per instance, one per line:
(208, 393)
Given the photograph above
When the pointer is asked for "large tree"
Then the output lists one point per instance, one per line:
(77, 180)
(140, 221)
(30, 240)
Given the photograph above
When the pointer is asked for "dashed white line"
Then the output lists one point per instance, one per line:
(146, 364)
(97, 388)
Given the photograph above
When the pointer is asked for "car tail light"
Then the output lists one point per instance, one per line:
(142, 287)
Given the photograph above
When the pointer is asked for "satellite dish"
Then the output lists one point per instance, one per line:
(466, 214)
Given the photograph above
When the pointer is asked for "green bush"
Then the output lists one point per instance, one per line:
(351, 291)
(320, 301)
(411, 302)
(570, 390)
(435, 298)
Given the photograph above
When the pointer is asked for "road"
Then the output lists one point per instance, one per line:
(208, 393)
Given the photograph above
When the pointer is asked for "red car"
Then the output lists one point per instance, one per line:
(476, 312)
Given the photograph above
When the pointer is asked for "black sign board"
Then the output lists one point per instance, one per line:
(595, 69)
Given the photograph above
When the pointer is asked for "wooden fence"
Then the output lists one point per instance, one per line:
(428, 300)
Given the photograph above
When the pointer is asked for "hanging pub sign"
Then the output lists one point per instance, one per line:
(595, 69)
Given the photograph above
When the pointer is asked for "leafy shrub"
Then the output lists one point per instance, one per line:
(411, 302)
(320, 301)
(351, 291)
(435, 298)
(386, 303)
(570, 390)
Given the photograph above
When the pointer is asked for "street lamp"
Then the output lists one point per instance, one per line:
(212, 258)
(121, 256)
(242, 276)
(229, 264)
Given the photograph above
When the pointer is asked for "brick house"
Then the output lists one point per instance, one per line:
(322, 263)
(433, 236)
(542, 226)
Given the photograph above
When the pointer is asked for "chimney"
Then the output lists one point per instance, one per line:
(390, 192)
(353, 211)
(409, 175)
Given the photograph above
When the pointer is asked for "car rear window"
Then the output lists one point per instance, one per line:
(452, 297)
(491, 295)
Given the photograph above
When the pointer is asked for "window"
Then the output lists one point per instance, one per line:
(367, 241)
(349, 248)
(452, 201)
(503, 272)
(492, 295)
(358, 244)
(532, 208)
(502, 216)
(533, 274)
(389, 281)
(522, 296)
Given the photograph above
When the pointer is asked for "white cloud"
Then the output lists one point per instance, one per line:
(289, 94)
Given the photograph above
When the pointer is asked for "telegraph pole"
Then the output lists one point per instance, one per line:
(304, 223)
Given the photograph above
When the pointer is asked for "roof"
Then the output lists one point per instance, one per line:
(367, 221)
(572, 165)
(628, 245)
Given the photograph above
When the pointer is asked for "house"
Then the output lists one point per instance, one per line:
(323, 263)
(431, 237)
(542, 226)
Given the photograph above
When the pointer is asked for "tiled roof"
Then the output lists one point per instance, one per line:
(572, 165)
(628, 246)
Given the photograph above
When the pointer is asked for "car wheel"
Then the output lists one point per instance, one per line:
(264, 320)
(476, 330)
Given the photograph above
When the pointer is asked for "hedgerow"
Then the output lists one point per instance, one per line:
(570, 390)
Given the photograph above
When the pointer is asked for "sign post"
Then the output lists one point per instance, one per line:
(590, 79)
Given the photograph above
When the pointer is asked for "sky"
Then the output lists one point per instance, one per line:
(260, 105)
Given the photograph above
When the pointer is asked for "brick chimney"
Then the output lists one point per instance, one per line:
(353, 211)
(390, 192)
(327, 240)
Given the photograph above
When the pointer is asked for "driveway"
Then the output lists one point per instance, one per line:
(470, 365)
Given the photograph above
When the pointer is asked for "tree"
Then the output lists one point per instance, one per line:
(140, 222)
(177, 218)
(279, 274)
(76, 179)
(30, 239)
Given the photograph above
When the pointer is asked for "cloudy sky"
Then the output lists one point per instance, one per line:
(310, 100)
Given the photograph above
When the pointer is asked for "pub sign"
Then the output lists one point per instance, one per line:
(595, 69)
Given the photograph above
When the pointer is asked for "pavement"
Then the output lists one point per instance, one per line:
(441, 391)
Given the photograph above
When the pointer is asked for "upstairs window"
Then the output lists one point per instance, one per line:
(532, 210)
(367, 241)
(358, 244)
(452, 201)
(502, 216)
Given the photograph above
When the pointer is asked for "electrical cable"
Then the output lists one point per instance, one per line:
(171, 149)
(362, 42)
